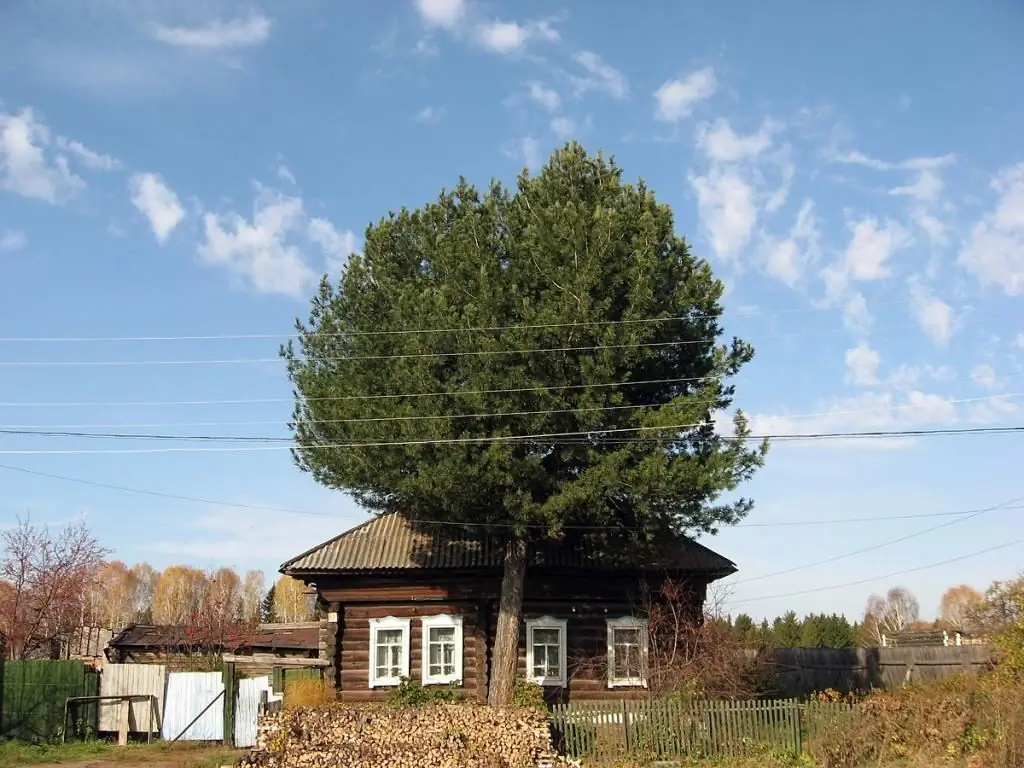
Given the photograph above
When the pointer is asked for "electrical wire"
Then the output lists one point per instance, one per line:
(882, 577)
(419, 331)
(43, 428)
(400, 356)
(1006, 505)
(549, 438)
(314, 513)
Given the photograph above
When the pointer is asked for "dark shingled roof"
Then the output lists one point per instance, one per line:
(264, 637)
(392, 542)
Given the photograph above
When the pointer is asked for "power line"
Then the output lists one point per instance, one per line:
(44, 429)
(420, 331)
(892, 575)
(1006, 505)
(549, 438)
(400, 356)
(538, 389)
(314, 513)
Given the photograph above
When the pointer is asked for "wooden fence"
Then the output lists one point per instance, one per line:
(32, 697)
(667, 730)
(802, 671)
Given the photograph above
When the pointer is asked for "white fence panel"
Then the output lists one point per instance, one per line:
(188, 694)
(247, 707)
(123, 679)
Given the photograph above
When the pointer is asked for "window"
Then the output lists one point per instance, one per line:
(545, 651)
(627, 652)
(442, 649)
(389, 651)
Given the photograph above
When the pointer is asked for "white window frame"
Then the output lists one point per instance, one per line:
(627, 622)
(548, 622)
(441, 621)
(376, 625)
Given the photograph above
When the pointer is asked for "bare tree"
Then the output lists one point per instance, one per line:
(48, 577)
(252, 594)
(890, 614)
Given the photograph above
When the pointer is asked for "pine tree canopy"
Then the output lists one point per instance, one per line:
(567, 310)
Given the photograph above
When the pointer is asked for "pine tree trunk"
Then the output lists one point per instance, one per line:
(505, 658)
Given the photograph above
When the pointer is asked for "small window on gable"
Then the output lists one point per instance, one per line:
(442, 649)
(545, 651)
(627, 652)
(389, 651)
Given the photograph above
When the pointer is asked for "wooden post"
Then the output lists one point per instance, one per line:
(230, 694)
(123, 710)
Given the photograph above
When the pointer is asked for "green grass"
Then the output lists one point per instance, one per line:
(14, 754)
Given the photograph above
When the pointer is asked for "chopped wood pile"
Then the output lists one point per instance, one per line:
(441, 736)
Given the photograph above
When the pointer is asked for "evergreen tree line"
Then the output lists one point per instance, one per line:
(815, 630)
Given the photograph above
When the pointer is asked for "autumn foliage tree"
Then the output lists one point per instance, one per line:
(46, 577)
(292, 603)
(178, 594)
(959, 605)
(573, 342)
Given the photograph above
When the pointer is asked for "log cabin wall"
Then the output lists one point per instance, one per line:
(585, 600)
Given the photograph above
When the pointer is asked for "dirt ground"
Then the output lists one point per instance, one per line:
(213, 758)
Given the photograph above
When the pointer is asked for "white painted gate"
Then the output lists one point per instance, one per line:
(138, 679)
(247, 707)
(188, 694)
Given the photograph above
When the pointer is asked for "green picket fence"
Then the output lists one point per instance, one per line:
(32, 697)
(669, 730)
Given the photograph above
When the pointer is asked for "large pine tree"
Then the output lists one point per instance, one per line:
(567, 310)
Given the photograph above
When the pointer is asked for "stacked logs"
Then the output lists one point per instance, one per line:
(439, 736)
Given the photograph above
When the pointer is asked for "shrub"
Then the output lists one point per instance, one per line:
(528, 694)
(409, 693)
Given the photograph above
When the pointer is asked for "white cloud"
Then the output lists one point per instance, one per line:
(862, 365)
(158, 202)
(525, 150)
(259, 251)
(284, 172)
(338, 246)
(563, 127)
(546, 97)
(218, 35)
(994, 252)
(985, 375)
(25, 167)
(907, 377)
(675, 98)
(600, 76)
(933, 315)
(429, 115)
(866, 412)
(871, 246)
(931, 226)
(12, 240)
(89, 158)
(722, 144)
(786, 259)
(926, 184)
(856, 317)
(727, 210)
(1020, 340)
(502, 36)
(441, 13)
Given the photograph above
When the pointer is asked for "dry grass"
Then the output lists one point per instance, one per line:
(961, 721)
(309, 692)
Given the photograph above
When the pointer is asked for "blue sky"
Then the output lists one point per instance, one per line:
(854, 176)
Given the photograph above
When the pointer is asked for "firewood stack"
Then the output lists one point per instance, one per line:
(441, 736)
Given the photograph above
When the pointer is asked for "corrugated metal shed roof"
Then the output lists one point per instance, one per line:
(392, 542)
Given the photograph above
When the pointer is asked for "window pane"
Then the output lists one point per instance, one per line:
(389, 637)
(435, 655)
(626, 636)
(546, 636)
(442, 634)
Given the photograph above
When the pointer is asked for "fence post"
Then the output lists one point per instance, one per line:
(228, 676)
(799, 720)
(625, 724)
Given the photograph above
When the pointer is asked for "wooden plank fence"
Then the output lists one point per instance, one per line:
(667, 730)
(32, 697)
